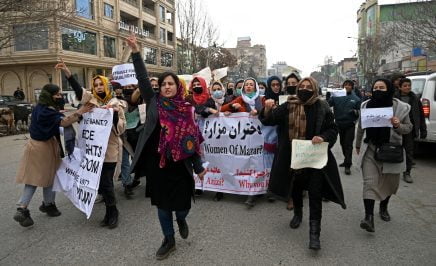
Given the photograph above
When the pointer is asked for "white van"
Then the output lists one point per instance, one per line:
(424, 86)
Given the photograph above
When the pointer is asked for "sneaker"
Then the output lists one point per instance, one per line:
(183, 228)
(50, 209)
(347, 171)
(22, 216)
(168, 246)
(407, 178)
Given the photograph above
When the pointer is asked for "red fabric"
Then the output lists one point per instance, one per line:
(228, 107)
(204, 96)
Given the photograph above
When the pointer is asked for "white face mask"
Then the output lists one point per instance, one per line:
(262, 92)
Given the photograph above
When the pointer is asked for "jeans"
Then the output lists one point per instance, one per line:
(346, 136)
(166, 220)
(47, 193)
(126, 178)
(408, 145)
(106, 187)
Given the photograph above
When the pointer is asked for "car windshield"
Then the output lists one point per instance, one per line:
(418, 86)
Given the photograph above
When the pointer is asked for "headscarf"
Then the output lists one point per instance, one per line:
(202, 97)
(380, 135)
(46, 96)
(250, 101)
(297, 115)
(218, 102)
(269, 93)
(107, 91)
(180, 137)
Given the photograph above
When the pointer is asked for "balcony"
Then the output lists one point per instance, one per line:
(148, 7)
(132, 2)
(171, 2)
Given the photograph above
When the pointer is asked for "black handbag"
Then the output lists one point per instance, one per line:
(389, 153)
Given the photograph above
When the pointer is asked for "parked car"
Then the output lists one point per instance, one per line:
(424, 86)
(10, 101)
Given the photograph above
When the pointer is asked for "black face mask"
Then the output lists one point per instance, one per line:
(127, 92)
(304, 95)
(198, 90)
(60, 103)
(156, 89)
(229, 91)
(379, 95)
(102, 95)
(119, 97)
(291, 89)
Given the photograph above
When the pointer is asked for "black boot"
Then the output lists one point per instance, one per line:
(128, 191)
(218, 196)
(112, 221)
(183, 228)
(368, 223)
(105, 221)
(384, 214)
(22, 216)
(298, 217)
(168, 245)
(315, 230)
(50, 209)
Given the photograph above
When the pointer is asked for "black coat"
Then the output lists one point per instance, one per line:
(320, 122)
(416, 114)
(169, 186)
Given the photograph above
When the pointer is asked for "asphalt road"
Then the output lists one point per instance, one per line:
(222, 233)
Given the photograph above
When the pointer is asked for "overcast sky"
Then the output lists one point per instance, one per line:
(300, 32)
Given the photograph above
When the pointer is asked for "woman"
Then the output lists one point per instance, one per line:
(168, 149)
(262, 88)
(381, 179)
(102, 96)
(304, 116)
(41, 157)
(291, 83)
(273, 89)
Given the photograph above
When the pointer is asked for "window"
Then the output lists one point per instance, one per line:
(109, 47)
(162, 13)
(150, 55)
(85, 8)
(166, 59)
(30, 37)
(170, 37)
(108, 11)
(76, 40)
(162, 35)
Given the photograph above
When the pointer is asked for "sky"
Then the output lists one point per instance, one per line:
(300, 32)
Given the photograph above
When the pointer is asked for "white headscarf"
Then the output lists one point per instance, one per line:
(250, 101)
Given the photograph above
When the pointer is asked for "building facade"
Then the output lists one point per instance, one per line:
(90, 42)
(282, 70)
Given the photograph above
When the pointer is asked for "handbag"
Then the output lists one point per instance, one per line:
(389, 153)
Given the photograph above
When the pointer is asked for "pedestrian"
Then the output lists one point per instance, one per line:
(395, 79)
(262, 88)
(238, 87)
(346, 111)
(380, 178)
(42, 155)
(304, 116)
(168, 149)
(102, 96)
(273, 89)
(291, 83)
(230, 92)
(19, 94)
(417, 119)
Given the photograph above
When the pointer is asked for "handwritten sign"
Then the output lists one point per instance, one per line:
(308, 155)
(233, 149)
(283, 99)
(78, 176)
(376, 117)
(338, 92)
(124, 74)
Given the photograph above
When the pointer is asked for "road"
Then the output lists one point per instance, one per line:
(222, 233)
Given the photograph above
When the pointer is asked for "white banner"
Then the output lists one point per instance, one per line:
(124, 74)
(376, 117)
(78, 176)
(233, 150)
(308, 155)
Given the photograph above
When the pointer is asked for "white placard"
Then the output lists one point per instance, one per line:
(376, 117)
(283, 99)
(337, 92)
(308, 155)
(78, 176)
(124, 74)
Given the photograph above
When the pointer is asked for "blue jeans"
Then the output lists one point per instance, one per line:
(47, 193)
(126, 178)
(166, 220)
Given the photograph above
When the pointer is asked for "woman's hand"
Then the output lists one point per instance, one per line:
(227, 113)
(269, 104)
(132, 43)
(85, 108)
(202, 174)
(62, 66)
(395, 122)
(213, 111)
(253, 112)
(317, 140)
(236, 106)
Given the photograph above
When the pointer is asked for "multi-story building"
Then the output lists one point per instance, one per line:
(281, 69)
(91, 42)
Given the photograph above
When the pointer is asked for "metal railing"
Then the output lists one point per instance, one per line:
(132, 2)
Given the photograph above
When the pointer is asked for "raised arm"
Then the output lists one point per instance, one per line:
(78, 90)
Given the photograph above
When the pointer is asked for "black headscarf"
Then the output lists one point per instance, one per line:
(269, 93)
(380, 135)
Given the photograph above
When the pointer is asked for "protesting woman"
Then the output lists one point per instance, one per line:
(101, 95)
(42, 157)
(169, 150)
(381, 174)
(306, 117)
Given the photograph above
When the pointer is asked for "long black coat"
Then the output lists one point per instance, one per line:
(320, 122)
(166, 185)
(416, 114)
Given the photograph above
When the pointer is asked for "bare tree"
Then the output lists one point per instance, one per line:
(216, 57)
(30, 19)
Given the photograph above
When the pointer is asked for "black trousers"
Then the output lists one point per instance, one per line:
(408, 145)
(346, 136)
(313, 181)
(106, 187)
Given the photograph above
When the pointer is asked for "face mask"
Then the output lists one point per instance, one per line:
(304, 95)
(156, 89)
(262, 92)
(238, 92)
(218, 94)
(251, 94)
(102, 95)
(127, 92)
(119, 97)
(291, 90)
(198, 90)
(229, 91)
(379, 95)
(60, 103)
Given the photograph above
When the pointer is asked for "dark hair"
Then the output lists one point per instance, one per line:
(239, 81)
(397, 76)
(262, 83)
(293, 75)
(227, 85)
(348, 81)
(166, 74)
(51, 88)
(404, 80)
